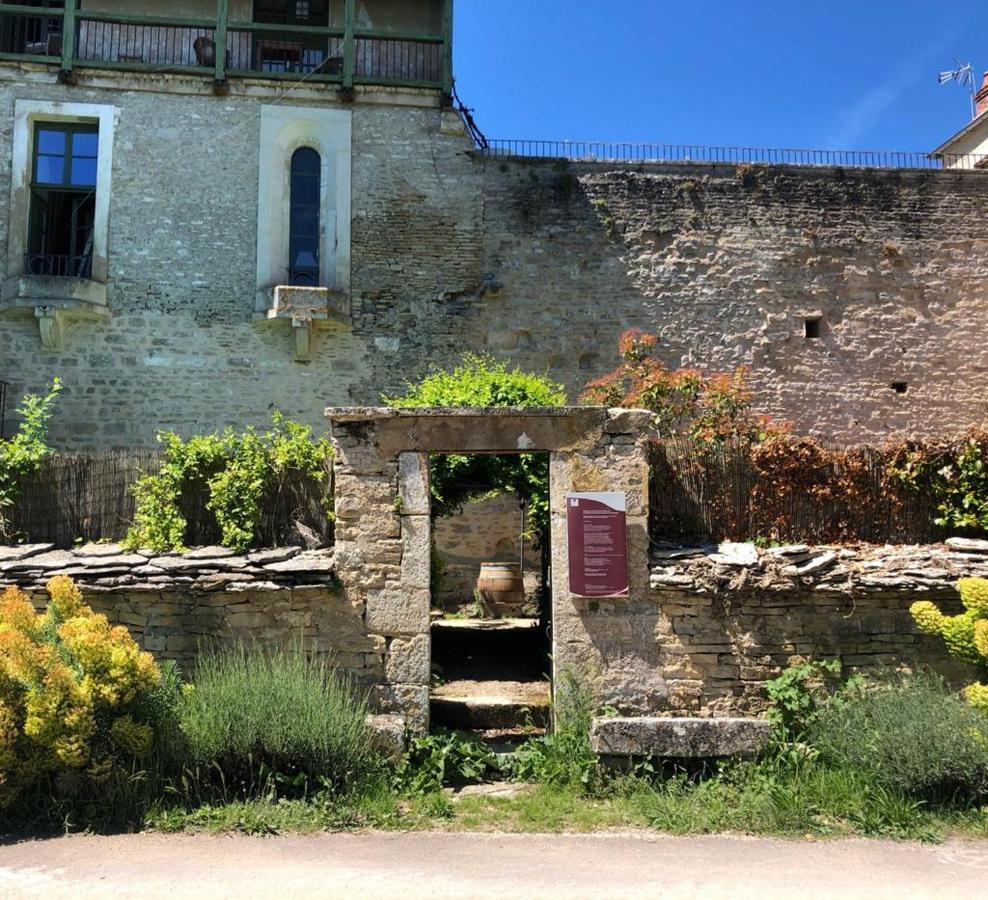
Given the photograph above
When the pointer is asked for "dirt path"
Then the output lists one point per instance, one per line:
(471, 865)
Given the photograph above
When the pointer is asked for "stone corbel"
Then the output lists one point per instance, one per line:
(50, 322)
(54, 303)
(302, 329)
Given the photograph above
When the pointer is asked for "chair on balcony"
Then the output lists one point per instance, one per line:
(205, 50)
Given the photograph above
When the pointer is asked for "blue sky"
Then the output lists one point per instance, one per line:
(763, 73)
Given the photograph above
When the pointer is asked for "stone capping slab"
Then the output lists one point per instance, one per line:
(204, 569)
(858, 568)
(678, 738)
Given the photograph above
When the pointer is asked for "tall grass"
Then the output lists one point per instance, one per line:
(263, 720)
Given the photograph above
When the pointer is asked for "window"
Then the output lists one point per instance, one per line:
(63, 200)
(303, 227)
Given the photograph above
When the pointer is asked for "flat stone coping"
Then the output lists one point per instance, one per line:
(871, 568)
(679, 738)
(109, 567)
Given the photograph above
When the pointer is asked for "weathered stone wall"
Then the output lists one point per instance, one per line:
(485, 531)
(174, 604)
(716, 627)
(544, 263)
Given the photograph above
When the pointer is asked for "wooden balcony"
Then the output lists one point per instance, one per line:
(220, 48)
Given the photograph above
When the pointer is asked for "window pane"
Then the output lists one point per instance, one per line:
(50, 170)
(85, 144)
(83, 172)
(51, 141)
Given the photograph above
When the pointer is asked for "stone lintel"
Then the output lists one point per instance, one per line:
(504, 430)
(679, 738)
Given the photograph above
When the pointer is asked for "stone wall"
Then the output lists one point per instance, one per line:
(717, 625)
(175, 604)
(543, 263)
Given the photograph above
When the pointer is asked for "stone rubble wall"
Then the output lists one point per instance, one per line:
(720, 621)
(173, 604)
(543, 263)
(716, 624)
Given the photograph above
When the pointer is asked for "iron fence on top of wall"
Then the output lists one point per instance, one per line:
(87, 497)
(624, 152)
(717, 493)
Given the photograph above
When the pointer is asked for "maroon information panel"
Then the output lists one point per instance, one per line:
(598, 544)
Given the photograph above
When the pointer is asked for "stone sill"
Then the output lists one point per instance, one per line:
(110, 568)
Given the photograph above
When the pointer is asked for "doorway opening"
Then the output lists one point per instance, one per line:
(491, 595)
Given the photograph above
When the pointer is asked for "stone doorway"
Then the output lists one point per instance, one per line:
(491, 595)
(383, 528)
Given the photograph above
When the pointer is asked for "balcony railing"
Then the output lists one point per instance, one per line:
(50, 265)
(219, 48)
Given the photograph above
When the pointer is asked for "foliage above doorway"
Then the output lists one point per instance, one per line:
(484, 382)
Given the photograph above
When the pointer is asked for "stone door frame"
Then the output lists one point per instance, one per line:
(383, 525)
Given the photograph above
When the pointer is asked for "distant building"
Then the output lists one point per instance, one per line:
(968, 148)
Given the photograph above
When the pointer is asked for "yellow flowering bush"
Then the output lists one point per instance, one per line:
(77, 695)
(966, 635)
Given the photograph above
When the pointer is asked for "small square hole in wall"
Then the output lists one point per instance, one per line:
(812, 328)
(900, 387)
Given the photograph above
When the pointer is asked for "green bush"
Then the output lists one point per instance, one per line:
(262, 721)
(22, 454)
(239, 472)
(914, 736)
(444, 758)
(800, 694)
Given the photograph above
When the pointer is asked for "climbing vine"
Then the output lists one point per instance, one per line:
(237, 472)
(22, 454)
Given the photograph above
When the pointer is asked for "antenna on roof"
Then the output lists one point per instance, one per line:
(962, 75)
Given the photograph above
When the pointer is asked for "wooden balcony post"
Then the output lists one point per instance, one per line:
(222, 22)
(349, 44)
(447, 74)
(68, 35)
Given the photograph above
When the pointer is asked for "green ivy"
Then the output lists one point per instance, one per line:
(22, 454)
(237, 470)
(484, 382)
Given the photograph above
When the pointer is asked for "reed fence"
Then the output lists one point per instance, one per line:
(717, 493)
(87, 497)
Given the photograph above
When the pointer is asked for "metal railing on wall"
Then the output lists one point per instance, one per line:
(603, 151)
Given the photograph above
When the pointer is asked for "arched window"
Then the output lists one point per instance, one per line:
(303, 229)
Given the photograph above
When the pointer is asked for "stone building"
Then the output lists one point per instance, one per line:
(273, 204)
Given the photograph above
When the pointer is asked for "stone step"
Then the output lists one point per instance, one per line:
(491, 705)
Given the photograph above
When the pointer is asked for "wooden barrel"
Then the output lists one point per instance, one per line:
(501, 589)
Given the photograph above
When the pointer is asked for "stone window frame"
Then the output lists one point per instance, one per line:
(285, 129)
(27, 115)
